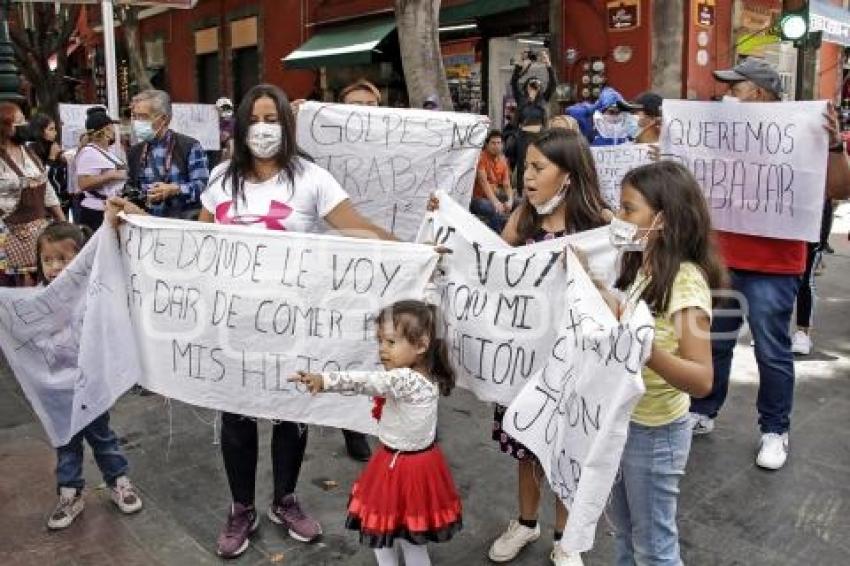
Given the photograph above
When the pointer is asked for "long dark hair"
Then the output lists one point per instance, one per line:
(57, 232)
(242, 162)
(41, 146)
(686, 236)
(570, 152)
(416, 320)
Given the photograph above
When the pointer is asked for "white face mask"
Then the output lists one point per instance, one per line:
(550, 205)
(611, 126)
(264, 139)
(622, 235)
(730, 98)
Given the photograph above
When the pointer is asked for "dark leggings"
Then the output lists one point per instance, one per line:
(806, 292)
(91, 218)
(239, 446)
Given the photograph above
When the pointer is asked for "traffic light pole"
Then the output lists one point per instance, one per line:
(801, 45)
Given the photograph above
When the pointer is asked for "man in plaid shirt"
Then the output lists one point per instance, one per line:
(169, 169)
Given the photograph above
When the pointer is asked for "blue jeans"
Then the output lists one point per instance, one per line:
(645, 495)
(770, 301)
(107, 453)
(484, 208)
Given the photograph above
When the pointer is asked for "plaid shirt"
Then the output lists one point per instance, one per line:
(153, 171)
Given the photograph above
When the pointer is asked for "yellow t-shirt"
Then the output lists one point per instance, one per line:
(662, 403)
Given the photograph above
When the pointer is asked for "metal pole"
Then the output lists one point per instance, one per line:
(9, 81)
(108, 17)
(801, 70)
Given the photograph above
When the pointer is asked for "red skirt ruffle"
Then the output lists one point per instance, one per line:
(406, 495)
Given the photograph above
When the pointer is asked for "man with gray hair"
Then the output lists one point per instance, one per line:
(167, 170)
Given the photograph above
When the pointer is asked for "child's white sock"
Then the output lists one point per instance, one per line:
(386, 556)
(414, 555)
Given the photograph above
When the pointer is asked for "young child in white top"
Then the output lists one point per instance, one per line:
(406, 491)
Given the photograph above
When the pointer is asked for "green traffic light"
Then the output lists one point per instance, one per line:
(793, 26)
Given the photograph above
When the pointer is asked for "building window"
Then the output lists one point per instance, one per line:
(207, 65)
(244, 55)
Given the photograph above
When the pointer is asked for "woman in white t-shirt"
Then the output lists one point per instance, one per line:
(270, 182)
(100, 173)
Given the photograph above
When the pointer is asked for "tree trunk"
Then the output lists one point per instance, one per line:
(667, 48)
(129, 18)
(418, 36)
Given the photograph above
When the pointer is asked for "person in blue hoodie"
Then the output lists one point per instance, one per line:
(608, 121)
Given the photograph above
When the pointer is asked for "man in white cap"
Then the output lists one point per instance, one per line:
(766, 272)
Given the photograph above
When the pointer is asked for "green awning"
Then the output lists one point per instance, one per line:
(479, 9)
(344, 45)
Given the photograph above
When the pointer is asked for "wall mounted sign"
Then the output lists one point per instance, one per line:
(623, 15)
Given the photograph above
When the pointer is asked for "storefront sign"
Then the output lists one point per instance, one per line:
(705, 13)
(833, 21)
(623, 15)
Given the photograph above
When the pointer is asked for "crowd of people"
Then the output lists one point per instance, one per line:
(546, 187)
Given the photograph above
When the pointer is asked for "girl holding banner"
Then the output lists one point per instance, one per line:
(562, 197)
(270, 182)
(664, 230)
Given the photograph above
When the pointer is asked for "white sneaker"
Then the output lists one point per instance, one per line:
(702, 424)
(508, 545)
(70, 505)
(801, 343)
(124, 496)
(559, 557)
(773, 451)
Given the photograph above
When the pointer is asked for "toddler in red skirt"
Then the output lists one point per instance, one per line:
(406, 493)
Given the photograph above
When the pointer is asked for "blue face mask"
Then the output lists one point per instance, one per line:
(632, 127)
(143, 130)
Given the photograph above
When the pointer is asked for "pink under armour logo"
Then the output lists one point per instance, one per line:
(273, 219)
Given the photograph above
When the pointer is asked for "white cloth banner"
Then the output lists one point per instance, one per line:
(71, 344)
(215, 316)
(574, 413)
(73, 118)
(762, 166)
(502, 305)
(390, 160)
(612, 164)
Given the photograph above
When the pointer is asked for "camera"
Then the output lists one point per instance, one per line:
(135, 195)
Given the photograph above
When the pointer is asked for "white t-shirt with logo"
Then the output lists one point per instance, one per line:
(273, 203)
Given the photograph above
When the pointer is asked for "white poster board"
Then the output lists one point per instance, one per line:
(612, 164)
(199, 121)
(761, 166)
(389, 160)
(73, 119)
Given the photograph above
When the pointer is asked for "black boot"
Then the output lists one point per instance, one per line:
(357, 446)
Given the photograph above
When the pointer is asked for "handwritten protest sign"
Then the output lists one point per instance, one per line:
(389, 160)
(762, 166)
(501, 305)
(574, 412)
(612, 164)
(71, 344)
(224, 315)
(73, 119)
(199, 121)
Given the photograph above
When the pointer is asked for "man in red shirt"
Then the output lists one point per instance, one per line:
(493, 196)
(766, 272)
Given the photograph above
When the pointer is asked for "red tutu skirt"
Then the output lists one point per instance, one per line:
(408, 495)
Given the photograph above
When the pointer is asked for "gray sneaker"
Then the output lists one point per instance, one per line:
(288, 513)
(70, 505)
(242, 522)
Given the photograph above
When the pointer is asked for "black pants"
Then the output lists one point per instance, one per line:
(239, 446)
(806, 293)
(91, 218)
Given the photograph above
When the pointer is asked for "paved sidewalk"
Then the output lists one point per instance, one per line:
(731, 512)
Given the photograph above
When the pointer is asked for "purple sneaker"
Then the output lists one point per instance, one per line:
(242, 522)
(288, 513)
